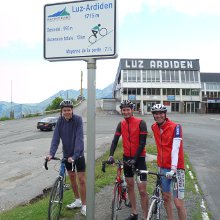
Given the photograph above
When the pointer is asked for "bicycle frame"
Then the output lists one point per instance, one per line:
(56, 196)
(119, 192)
(156, 198)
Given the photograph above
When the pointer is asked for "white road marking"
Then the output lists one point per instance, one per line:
(202, 204)
(217, 119)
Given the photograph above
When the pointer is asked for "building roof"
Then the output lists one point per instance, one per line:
(210, 77)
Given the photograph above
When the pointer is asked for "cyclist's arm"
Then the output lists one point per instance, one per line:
(142, 139)
(115, 139)
(55, 140)
(176, 146)
(79, 143)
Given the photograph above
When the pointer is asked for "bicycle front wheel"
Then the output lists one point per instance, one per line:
(116, 202)
(152, 213)
(56, 200)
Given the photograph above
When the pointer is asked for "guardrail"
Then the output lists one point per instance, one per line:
(46, 112)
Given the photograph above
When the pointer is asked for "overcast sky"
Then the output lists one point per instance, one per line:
(184, 29)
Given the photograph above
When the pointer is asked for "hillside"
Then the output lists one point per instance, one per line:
(22, 109)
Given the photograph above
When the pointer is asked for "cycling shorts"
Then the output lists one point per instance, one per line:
(178, 188)
(140, 164)
(79, 165)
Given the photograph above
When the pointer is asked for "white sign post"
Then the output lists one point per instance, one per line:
(80, 30)
(83, 30)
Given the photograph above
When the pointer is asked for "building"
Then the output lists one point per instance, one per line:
(211, 91)
(174, 82)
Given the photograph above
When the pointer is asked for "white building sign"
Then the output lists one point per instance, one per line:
(80, 30)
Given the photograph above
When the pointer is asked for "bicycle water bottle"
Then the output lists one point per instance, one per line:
(124, 187)
(124, 184)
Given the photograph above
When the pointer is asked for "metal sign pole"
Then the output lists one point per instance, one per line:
(91, 128)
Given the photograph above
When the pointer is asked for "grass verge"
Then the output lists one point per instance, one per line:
(38, 210)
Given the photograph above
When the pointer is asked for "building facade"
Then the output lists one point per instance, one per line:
(174, 82)
(211, 91)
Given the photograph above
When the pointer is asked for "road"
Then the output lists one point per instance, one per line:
(22, 152)
(23, 148)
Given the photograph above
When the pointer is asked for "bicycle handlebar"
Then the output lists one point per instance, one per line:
(118, 162)
(139, 172)
(46, 161)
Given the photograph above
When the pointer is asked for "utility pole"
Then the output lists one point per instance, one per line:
(81, 84)
(11, 111)
(80, 97)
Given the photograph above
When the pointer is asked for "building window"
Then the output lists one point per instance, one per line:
(148, 76)
(125, 91)
(177, 91)
(171, 91)
(144, 79)
(195, 92)
(164, 91)
(183, 78)
(133, 76)
(196, 76)
(125, 76)
(138, 75)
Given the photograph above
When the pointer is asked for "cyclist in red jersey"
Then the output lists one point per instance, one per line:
(170, 160)
(134, 133)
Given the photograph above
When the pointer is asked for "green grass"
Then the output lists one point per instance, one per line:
(38, 210)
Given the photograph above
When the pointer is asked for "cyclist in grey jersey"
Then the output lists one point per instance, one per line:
(69, 129)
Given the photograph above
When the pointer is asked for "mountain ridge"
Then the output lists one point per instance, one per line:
(22, 109)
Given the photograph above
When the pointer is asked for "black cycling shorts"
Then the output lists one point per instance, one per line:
(79, 165)
(140, 164)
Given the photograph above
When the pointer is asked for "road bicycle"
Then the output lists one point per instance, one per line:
(120, 192)
(58, 188)
(156, 210)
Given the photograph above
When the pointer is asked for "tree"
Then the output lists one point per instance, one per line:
(55, 104)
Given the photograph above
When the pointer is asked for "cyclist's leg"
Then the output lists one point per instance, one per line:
(129, 177)
(167, 194)
(94, 33)
(142, 185)
(81, 167)
(178, 193)
(72, 176)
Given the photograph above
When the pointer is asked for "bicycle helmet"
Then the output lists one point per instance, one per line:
(66, 103)
(159, 108)
(126, 103)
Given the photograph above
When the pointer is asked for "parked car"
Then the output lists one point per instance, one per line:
(47, 123)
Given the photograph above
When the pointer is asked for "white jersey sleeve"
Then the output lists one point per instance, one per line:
(176, 146)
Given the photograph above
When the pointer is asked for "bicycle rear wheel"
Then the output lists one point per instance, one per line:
(152, 213)
(56, 200)
(116, 202)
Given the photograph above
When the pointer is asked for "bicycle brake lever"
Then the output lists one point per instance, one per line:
(45, 164)
(103, 167)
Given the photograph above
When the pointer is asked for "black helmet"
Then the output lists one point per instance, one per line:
(159, 108)
(66, 103)
(126, 103)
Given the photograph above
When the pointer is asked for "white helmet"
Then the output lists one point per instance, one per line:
(159, 108)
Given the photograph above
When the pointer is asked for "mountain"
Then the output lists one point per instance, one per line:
(23, 109)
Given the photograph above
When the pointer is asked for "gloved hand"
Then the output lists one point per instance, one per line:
(170, 174)
(111, 160)
(131, 162)
(70, 160)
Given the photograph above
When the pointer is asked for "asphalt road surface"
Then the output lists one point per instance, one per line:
(23, 148)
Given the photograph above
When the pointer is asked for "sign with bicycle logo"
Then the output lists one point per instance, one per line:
(80, 30)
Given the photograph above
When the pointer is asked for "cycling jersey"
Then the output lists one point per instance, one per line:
(134, 133)
(71, 134)
(168, 138)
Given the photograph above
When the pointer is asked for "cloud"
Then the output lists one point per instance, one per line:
(190, 7)
(22, 21)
